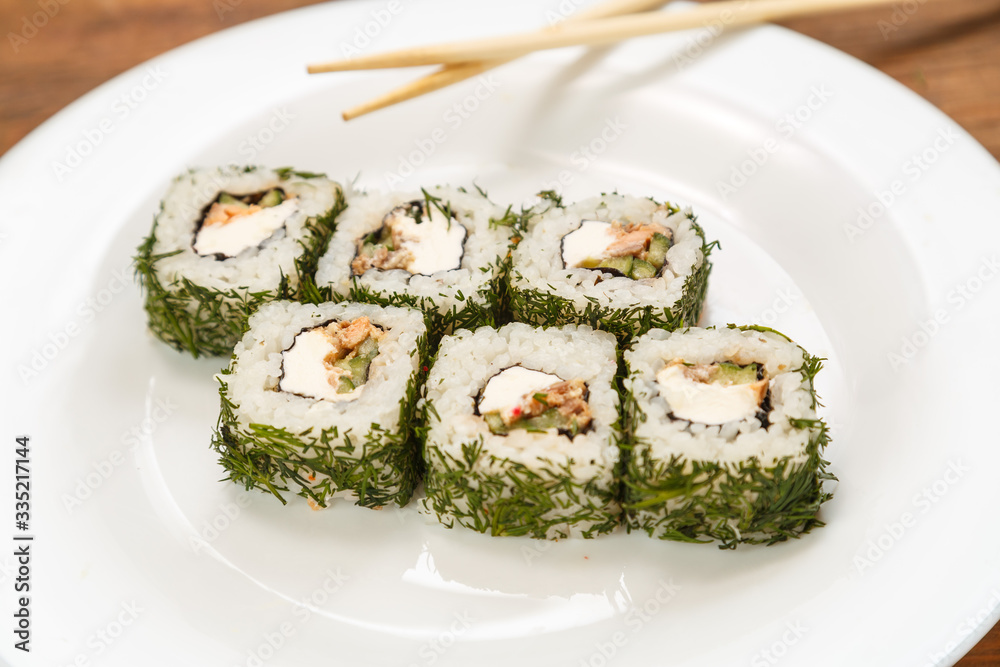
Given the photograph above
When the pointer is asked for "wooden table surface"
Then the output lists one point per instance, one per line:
(946, 51)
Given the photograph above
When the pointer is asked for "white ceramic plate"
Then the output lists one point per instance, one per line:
(140, 554)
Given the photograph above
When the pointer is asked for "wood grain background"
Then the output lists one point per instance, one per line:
(947, 51)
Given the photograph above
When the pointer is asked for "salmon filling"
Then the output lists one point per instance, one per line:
(414, 240)
(634, 250)
(519, 398)
(233, 223)
(330, 362)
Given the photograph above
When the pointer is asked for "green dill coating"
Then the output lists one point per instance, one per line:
(734, 483)
(200, 303)
(289, 444)
(493, 495)
(544, 484)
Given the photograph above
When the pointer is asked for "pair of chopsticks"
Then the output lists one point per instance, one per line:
(608, 23)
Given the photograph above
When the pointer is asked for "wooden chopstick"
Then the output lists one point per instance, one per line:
(454, 72)
(597, 32)
(446, 76)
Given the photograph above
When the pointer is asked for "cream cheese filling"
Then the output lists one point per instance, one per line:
(708, 402)
(243, 231)
(504, 391)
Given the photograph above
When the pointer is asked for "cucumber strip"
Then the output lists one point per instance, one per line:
(359, 369)
(495, 423)
(368, 348)
(642, 269)
(551, 418)
(272, 198)
(657, 253)
(622, 265)
(727, 373)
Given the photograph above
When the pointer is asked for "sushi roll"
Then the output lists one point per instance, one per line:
(442, 251)
(226, 241)
(521, 432)
(319, 401)
(619, 263)
(725, 443)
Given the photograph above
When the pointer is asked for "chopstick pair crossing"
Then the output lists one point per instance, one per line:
(602, 25)
(454, 73)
